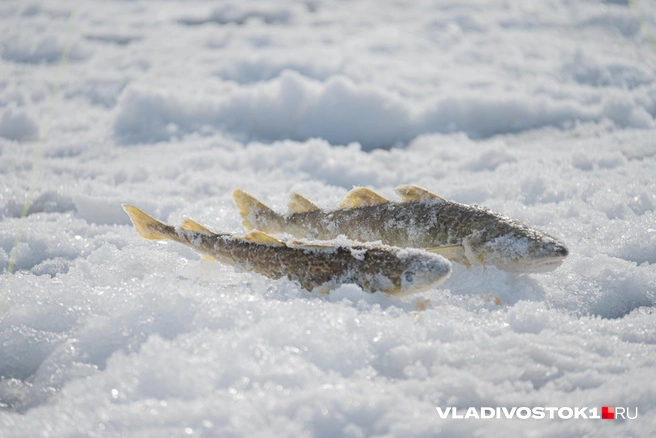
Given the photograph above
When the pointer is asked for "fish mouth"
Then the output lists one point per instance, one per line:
(440, 272)
(536, 266)
(432, 284)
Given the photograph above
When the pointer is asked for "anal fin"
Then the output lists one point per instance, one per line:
(262, 238)
(362, 197)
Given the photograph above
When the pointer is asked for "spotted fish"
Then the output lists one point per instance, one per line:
(373, 267)
(465, 234)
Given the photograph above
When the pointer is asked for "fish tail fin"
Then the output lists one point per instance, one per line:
(251, 210)
(148, 227)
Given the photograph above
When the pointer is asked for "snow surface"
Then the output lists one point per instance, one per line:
(544, 111)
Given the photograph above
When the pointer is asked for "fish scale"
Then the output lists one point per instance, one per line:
(373, 267)
(466, 234)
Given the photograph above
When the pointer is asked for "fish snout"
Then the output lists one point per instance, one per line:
(426, 272)
(554, 249)
(439, 268)
(561, 250)
(547, 259)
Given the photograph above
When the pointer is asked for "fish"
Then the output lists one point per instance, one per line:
(465, 234)
(315, 266)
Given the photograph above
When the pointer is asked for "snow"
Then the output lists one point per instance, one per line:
(340, 111)
(17, 124)
(544, 111)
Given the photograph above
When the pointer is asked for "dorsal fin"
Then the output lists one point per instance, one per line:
(263, 238)
(189, 225)
(414, 193)
(361, 197)
(300, 204)
(249, 209)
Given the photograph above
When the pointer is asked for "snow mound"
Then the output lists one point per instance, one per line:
(543, 111)
(100, 209)
(35, 49)
(17, 123)
(49, 201)
(241, 12)
(342, 111)
(267, 66)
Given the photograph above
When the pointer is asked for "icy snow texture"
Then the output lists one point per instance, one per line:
(541, 110)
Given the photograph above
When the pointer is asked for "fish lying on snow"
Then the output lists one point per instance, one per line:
(373, 267)
(465, 234)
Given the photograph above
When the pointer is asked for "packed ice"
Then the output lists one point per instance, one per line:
(544, 111)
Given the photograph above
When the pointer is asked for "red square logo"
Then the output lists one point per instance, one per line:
(607, 413)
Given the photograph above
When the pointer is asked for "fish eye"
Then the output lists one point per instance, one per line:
(409, 277)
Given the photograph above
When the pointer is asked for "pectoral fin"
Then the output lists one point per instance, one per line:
(491, 298)
(414, 193)
(362, 197)
(455, 253)
(262, 238)
(323, 289)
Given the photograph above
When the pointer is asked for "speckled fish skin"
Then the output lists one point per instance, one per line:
(395, 271)
(484, 237)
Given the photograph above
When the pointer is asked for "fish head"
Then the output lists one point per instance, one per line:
(519, 248)
(412, 271)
